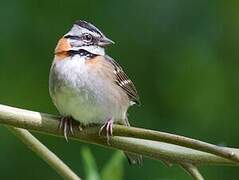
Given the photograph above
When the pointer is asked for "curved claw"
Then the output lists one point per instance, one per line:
(108, 126)
(66, 125)
(65, 130)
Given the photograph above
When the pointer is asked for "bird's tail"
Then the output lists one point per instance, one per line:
(134, 159)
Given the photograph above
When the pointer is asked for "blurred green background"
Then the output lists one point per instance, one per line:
(182, 56)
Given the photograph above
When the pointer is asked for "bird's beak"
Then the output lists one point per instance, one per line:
(104, 41)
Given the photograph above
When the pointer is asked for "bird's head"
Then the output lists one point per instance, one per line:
(84, 35)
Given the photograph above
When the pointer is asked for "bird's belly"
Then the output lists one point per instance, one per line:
(88, 105)
(82, 106)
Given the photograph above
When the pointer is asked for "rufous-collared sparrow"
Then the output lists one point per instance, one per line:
(87, 85)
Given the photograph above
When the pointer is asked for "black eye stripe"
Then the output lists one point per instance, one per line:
(78, 38)
(72, 37)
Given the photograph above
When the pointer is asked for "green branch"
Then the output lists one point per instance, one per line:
(153, 144)
(193, 171)
(177, 140)
(42, 151)
(45, 123)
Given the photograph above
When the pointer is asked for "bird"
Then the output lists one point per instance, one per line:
(87, 86)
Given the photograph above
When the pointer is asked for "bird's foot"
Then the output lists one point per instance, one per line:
(66, 125)
(108, 126)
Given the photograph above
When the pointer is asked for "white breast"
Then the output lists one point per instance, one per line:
(84, 95)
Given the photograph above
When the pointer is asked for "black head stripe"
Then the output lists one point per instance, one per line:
(81, 52)
(72, 37)
(88, 26)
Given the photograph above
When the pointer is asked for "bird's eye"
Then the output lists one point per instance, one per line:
(87, 37)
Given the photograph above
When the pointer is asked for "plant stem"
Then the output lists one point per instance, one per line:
(42, 151)
(177, 140)
(45, 123)
(193, 171)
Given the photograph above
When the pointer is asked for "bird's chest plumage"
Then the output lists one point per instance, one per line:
(82, 92)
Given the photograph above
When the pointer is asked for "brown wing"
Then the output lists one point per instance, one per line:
(124, 82)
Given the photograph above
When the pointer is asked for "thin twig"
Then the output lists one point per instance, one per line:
(45, 123)
(193, 171)
(42, 151)
(176, 139)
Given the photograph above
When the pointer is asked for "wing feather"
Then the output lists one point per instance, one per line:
(124, 82)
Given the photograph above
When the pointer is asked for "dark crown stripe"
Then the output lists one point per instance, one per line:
(88, 26)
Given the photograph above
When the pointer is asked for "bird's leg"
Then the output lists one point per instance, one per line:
(66, 125)
(108, 126)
